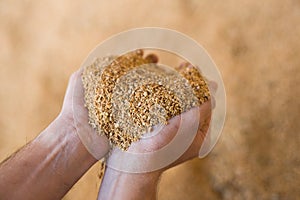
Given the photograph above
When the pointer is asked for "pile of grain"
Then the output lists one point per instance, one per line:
(127, 95)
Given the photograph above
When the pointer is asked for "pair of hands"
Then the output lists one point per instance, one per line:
(48, 166)
(75, 113)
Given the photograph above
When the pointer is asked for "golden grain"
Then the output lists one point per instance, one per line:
(152, 99)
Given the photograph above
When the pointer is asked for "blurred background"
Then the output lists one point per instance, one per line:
(255, 44)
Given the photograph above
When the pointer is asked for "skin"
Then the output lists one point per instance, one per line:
(122, 185)
(43, 170)
(49, 165)
(53, 162)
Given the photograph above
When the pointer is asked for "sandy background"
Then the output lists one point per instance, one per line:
(255, 44)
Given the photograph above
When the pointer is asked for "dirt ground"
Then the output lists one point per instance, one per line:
(254, 43)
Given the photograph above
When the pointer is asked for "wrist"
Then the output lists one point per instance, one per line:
(122, 185)
(55, 160)
(137, 178)
(69, 133)
(61, 137)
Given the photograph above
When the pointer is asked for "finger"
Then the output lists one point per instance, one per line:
(213, 86)
(205, 117)
(152, 58)
(202, 132)
(69, 91)
(213, 102)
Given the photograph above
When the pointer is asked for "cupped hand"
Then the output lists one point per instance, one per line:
(75, 113)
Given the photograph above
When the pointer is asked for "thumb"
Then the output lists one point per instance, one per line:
(68, 99)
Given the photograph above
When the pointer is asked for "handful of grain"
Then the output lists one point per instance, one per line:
(126, 96)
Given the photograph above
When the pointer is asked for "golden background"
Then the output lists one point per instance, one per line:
(255, 44)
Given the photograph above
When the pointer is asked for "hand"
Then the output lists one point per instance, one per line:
(163, 147)
(77, 115)
(144, 185)
(48, 166)
(117, 184)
